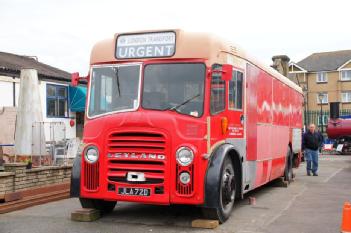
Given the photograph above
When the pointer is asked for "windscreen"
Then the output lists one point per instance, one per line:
(113, 89)
(178, 87)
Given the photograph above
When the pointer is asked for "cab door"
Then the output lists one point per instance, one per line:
(236, 117)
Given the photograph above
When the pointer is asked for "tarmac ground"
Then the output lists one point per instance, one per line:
(310, 204)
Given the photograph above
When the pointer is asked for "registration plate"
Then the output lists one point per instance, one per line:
(134, 191)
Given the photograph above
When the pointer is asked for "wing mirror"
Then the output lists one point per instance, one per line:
(75, 79)
(225, 71)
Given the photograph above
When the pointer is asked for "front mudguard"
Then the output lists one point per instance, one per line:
(213, 176)
(75, 177)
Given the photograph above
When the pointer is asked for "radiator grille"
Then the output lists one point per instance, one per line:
(138, 152)
(137, 142)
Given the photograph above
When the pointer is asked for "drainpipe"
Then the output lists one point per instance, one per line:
(14, 91)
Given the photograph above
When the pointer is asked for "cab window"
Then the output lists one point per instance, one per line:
(217, 92)
(236, 91)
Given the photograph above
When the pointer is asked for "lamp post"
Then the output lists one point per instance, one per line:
(320, 97)
(304, 89)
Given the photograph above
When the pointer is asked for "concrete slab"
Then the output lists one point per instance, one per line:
(85, 215)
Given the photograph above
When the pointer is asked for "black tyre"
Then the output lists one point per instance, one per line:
(227, 194)
(288, 173)
(103, 206)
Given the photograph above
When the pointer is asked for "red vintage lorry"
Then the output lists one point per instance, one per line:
(175, 117)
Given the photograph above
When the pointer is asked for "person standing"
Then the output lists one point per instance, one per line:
(312, 141)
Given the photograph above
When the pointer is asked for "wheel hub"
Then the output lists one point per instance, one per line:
(228, 188)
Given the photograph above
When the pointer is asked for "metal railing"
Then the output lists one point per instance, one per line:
(315, 117)
(49, 139)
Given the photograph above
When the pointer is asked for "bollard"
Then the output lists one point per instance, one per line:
(346, 218)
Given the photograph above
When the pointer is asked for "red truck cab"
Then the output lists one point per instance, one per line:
(174, 117)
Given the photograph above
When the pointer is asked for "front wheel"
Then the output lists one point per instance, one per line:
(102, 205)
(227, 194)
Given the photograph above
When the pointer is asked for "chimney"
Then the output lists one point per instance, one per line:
(281, 64)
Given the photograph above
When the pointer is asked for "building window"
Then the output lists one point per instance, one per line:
(236, 91)
(56, 101)
(322, 77)
(324, 99)
(345, 75)
(346, 97)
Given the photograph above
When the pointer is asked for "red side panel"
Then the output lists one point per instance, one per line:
(264, 153)
(272, 107)
(280, 140)
(277, 102)
(296, 101)
(286, 108)
(281, 103)
(264, 98)
(252, 74)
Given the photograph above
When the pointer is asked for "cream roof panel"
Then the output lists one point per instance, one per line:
(194, 45)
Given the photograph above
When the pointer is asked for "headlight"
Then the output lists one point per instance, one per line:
(185, 156)
(91, 154)
(184, 177)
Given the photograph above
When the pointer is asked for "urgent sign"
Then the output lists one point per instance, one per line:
(160, 44)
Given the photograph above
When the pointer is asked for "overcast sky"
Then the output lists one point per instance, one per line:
(62, 33)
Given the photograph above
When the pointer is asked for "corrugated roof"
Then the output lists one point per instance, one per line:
(13, 64)
(326, 61)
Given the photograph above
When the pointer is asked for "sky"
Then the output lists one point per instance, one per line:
(62, 33)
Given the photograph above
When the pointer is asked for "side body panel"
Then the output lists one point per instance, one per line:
(273, 123)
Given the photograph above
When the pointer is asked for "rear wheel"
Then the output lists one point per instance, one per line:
(227, 194)
(102, 205)
(288, 173)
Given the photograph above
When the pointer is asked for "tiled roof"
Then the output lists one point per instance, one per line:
(12, 64)
(326, 61)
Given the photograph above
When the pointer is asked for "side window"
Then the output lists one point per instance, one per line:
(217, 93)
(56, 101)
(106, 93)
(236, 91)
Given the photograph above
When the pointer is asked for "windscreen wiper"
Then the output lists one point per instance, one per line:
(116, 70)
(185, 102)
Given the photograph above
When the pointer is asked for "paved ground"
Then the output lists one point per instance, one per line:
(309, 205)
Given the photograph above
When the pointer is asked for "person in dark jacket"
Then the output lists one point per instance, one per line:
(312, 141)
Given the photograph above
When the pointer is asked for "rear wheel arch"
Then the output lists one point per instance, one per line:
(288, 171)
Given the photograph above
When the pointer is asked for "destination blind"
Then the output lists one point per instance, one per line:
(160, 44)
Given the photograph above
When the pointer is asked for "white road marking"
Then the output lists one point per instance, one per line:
(296, 196)
(287, 206)
(332, 175)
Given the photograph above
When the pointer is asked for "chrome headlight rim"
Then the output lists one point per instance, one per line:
(87, 149)
(186, 175)
(180, 149)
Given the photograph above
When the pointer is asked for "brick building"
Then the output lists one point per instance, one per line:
(325, 77)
